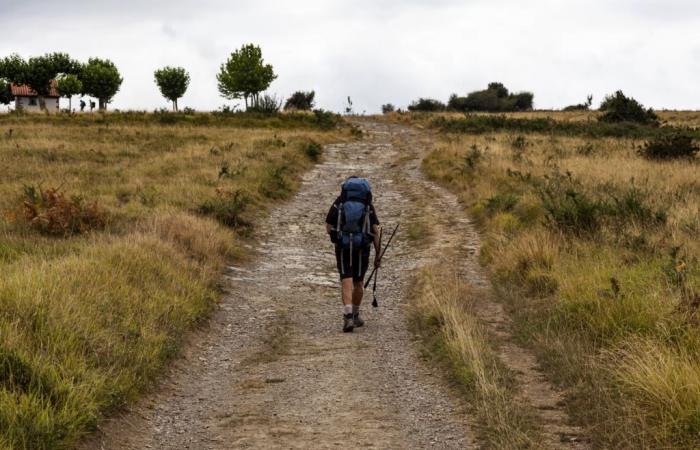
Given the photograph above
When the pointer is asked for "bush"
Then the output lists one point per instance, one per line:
(495, 98)
(228, 208)
(388, 108)
(266, 104)
(300, 100)
(568, 206)
(50, 212)
(313, 150)
(620, 108)
(326, 120)
(426, 105)
(672, 146)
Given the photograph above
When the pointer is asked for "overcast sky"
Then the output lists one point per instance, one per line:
(379, 51)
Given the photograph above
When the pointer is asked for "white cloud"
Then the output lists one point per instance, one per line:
(381, 51)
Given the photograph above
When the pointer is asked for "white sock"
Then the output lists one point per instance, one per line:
(355, 309)
(347, 309)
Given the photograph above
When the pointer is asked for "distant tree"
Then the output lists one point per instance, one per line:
(101, 79)
(426, 105)
(13, 68)
(172, 82)
(499, 89)
(620, 108)
(495, 98)
(5, 93)
(388, 108)
(245, 75)
(300, 100)
(38, 72)
(68, 86)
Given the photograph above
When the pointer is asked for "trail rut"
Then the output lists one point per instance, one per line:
(273, 369)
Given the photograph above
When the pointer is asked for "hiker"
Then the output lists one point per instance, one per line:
(353, 227)
(92, 105)
(82, 105)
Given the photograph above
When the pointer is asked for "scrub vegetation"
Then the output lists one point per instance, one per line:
(591, 236)
(114, 231)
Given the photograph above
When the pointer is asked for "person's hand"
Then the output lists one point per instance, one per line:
(377, 261)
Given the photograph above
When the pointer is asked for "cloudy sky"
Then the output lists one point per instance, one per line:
(379, 51)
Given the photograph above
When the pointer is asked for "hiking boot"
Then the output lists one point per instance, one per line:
(348, 323)
(358, 320)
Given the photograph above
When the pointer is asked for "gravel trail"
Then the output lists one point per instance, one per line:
(273, 369)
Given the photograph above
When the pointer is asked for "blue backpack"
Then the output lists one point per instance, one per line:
(353, 214)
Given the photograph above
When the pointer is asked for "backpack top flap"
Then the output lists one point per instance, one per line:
(356, 189)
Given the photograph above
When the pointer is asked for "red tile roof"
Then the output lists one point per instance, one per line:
(25, 91)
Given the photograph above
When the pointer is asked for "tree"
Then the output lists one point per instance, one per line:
(245, 75)
(68, 86)
(300, 100)
(426, 105)
(620, 108)
(38, 72)
(12, 68)
(172, 82)
(388, 108)
(5, 93)
(101, 80)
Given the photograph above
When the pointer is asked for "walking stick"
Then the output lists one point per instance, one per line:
(374, 288)
(374, 271)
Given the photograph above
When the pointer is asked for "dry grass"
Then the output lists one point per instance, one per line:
(88, 320)
(600, 262)
(443, 314)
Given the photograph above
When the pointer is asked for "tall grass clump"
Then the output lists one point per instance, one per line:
(443, 314)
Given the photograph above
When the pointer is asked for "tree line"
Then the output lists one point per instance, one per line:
(244, 75)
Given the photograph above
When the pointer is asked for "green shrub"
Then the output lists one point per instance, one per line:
(266, 104)
(568, 206)
(426, 105)
(620, 108)
(673, 146)
(388, 108)
(313, 150)
(326, 120)
(275, 185)
(301, 101)
(502, 202)
(496, 98)
(228, 208)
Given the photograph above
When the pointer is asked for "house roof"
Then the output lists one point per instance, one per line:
(23, 90)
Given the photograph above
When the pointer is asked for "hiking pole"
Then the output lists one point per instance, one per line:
(381, 255)
(374, 288)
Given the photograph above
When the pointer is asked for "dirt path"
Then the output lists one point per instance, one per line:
(274, 370)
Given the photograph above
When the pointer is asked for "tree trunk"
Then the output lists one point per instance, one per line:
(103, 105)
(246, 101)
(70, 104)
(42, 103)
(175, 105)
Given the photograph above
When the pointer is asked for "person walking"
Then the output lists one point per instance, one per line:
(353, 227)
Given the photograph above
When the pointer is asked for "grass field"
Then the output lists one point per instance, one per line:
(595, 251)
(114, 232)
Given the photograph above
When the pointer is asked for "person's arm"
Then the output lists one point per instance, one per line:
(376, 230)
(329, 228)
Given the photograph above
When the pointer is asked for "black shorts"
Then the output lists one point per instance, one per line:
(354, 267)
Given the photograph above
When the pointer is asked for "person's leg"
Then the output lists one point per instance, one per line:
(357, 293)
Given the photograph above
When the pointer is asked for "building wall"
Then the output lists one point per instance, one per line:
(31, 104)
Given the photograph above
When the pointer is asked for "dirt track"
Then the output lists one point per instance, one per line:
(274, 370)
